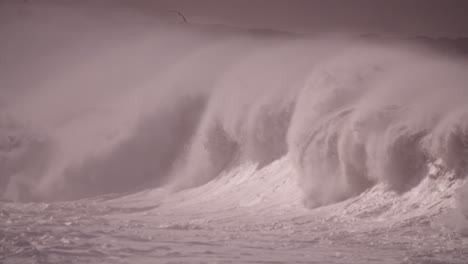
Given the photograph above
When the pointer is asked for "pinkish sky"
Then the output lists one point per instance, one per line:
(406, 17)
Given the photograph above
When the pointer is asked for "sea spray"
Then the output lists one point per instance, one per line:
(176, 105)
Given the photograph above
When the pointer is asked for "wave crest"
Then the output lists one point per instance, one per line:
(347, 114)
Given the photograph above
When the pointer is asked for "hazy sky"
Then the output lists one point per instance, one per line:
(408, 17)
(403, 17)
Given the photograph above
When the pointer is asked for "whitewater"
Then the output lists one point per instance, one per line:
(129, 140)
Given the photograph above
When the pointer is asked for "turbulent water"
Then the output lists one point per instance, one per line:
(213, 144)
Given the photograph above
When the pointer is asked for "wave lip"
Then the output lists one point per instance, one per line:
(348, 114)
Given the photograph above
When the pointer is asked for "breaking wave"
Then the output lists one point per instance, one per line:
(175, 106)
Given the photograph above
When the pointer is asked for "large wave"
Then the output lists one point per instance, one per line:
(176, 105)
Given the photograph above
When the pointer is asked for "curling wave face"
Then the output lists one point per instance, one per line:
(175, 106)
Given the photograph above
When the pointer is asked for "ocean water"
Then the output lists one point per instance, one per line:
(128, 140)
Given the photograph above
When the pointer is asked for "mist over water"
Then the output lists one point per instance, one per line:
(131, 105)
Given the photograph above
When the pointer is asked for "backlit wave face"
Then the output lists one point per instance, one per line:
(129, 105)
